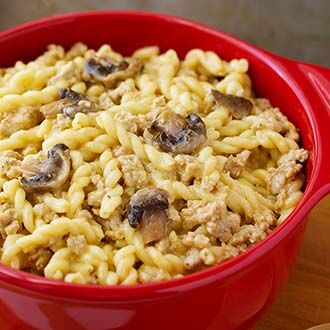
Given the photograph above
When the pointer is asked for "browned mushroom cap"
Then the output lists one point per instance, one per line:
(53, 172)
(239, 107)
(177, 134)
(147, 210)
(110, 71)
(70, 103)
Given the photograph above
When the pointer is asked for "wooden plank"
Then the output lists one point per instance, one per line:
(305, 301)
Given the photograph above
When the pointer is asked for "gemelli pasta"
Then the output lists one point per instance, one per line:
(124, 170)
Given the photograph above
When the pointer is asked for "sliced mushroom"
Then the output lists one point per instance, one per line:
(177, 134)
(235, 164)
(53, 172)
(147, 210)
(239, 107)
(110, 72)
(104, 68)
(70, 103)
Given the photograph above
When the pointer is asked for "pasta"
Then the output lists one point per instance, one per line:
(122, 170)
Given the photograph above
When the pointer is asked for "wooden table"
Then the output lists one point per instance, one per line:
(305, 301)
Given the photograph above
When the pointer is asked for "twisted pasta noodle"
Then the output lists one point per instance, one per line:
(13, 191)
(210, 161)
(11, 254)
(238, 204)
(212, 135)
(170, 263)
(111, 173)
(199, 88)
(71, 137)
(59, 264)
(124, 260)
(27, 79)
(107, 51)
(20, 67)
(80, 180)
(265, 138)
(212, 165)
(216, 118)
(234, 128)
(147, 85)
(231, 145)
(182, 102)
(209, 61)
(167, 66)
(79, 87)
(178, 190)
(116, 130)
(11, 101)
(58, 228)
(146, 53)
(235, 83)
(256, 180)
(104, 274)
(293, 195)
(271, 140)
(244, 200)
(89, 261)
(22, 138)
(91, 149)
(238, 65)
(134, 107)
(253, 197)
(95, 90)
(82, 120)
(148, 273)
(58, 205)
(256, 177)
(75, 278)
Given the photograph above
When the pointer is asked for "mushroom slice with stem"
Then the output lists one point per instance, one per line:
(53, 172)
(147, 211)
(177, 134)
(70, 103)
(110, 71)
(238, 107)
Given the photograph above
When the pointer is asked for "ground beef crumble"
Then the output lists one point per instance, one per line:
(22, 118)
(9, 223)
(134, 174)
(76, 243)
(289, 166)
(10, 164)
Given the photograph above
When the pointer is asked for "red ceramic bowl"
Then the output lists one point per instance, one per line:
(232, 295)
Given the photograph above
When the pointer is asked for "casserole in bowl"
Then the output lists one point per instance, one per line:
(202, 299)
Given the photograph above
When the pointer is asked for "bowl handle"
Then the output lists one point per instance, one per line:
(319, 81)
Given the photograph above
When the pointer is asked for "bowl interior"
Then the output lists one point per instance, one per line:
(126, 32)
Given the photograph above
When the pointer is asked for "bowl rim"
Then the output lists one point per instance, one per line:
(200, 279)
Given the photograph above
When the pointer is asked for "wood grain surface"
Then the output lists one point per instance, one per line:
(305, 301)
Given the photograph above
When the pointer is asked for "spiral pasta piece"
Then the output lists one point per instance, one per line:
(112, 174)
(58, 228)
(27, 79)
(11, 101)
(13, 191)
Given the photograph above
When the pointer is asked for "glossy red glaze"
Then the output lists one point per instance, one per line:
(232, 295)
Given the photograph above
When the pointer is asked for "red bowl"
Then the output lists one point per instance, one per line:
(232, 295)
